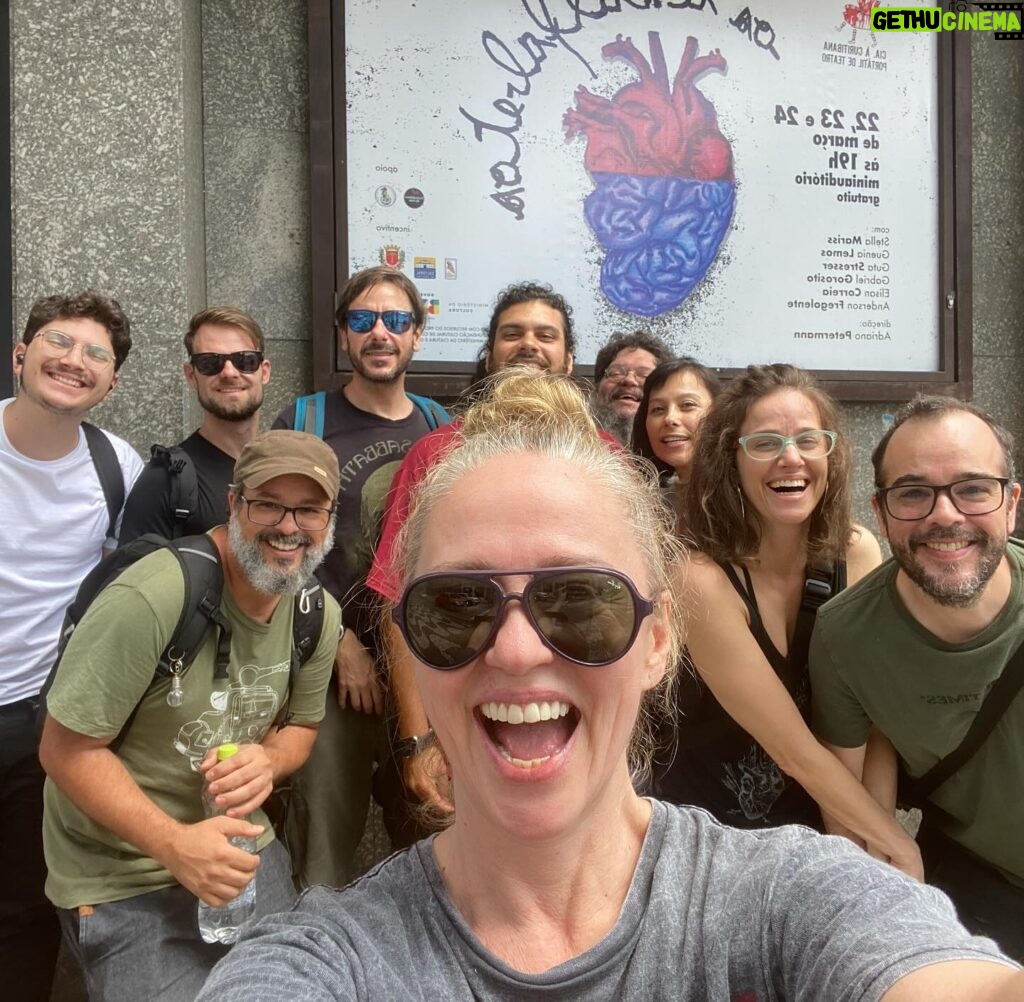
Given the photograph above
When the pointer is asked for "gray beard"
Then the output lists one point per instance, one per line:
(268, 579)
(611, 421)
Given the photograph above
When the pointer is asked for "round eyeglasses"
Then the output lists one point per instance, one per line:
(60, 345)
(767, 445)
(973, 496)
(588, 615)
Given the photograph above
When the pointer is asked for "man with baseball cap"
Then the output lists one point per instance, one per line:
(128, 847)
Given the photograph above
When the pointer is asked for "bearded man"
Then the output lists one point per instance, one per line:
(621, 369)
(913, 649)
(370, 423)
(127, 846)
(228, 370)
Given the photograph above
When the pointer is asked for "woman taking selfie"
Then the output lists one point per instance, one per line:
(537, 604)
(769, 509)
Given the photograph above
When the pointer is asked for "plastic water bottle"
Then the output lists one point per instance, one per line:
(222, 925)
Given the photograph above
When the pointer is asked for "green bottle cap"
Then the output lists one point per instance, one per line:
(226, 751)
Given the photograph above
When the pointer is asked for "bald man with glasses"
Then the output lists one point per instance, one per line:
(927, 652)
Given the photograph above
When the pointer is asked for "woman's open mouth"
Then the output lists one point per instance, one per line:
(529, 734)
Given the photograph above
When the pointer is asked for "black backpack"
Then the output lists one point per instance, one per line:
(184, 484)
(200, 612)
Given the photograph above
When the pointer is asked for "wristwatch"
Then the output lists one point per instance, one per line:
(410, 747)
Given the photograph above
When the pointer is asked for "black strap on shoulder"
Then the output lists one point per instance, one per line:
(994, 705)
(184, 484)
(204, 581)
(307, 626)
(745, 590)
(108, 471)
(820, 585)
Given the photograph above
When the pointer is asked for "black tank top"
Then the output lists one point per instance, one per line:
(712, 762)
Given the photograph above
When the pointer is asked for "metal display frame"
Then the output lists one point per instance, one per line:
(329, 232)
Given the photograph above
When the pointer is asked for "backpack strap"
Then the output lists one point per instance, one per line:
(204, 581)
(307, 626)
(820, 584)
(309, 414)
(183, 483)
(999, 697)
(108, 472)
(434, 414)
(204, 584)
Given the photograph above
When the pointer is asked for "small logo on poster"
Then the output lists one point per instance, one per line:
(413, 198)
(424, 267)
(393, 256)
(858, 17)
(385, 195)
(431, 304)
(451, 267)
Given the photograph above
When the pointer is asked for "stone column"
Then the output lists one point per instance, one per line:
(107, 164)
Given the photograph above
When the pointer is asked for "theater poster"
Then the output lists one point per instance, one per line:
(754, 183)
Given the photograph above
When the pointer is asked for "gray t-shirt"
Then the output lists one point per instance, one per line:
(712, 913)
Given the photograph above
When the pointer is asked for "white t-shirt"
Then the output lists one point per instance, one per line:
(53, 522)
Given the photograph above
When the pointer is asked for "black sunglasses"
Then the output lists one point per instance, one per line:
(588, 615)
(210, 363)
(362, 321)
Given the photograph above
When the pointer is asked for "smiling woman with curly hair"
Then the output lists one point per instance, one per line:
(769, 510)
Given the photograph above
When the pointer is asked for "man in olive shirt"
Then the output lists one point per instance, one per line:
(127, 846)
(913, 648)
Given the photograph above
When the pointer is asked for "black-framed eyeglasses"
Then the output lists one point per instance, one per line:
(972, 496)
(767, 445)
(308, 517)
(588, 615)
(95, 356)
(362, 321)
(211, 363)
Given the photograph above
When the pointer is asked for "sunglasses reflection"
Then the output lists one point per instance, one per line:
(587, 616)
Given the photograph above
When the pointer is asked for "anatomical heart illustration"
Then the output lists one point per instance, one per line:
(663, 175)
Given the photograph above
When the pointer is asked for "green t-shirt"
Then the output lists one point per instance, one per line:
(107, 670)
(872, 663)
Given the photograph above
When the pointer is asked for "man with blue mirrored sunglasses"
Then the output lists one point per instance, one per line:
(370, 423)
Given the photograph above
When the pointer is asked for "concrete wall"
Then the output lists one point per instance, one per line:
(160, 153)
(256, 144)
(107, 167)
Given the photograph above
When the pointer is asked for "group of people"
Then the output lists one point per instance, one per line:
(526, 629)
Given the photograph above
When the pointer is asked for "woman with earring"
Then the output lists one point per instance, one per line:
(769, 509)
